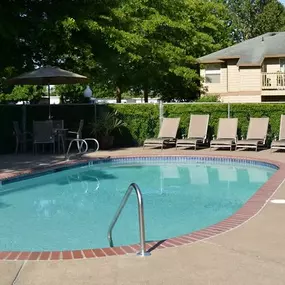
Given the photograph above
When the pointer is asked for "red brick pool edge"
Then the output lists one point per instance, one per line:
(249, 210)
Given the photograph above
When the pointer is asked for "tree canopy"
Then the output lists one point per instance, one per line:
(251, 18)
(138, 46)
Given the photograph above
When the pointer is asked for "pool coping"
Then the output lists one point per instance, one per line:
(246, 212)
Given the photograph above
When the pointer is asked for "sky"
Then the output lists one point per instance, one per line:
(282, 1)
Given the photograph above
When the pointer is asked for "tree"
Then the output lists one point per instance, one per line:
(129, 45)
(272, 19)
(23, 93)
(73, 93)
(152, 45)
(251, 18)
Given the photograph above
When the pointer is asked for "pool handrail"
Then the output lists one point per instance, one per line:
(80, 143)
(133, 186)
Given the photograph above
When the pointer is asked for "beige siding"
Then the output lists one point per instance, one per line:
(241, 99)
(273, 92)
(242, 82)
(233, 76)
(271, 64)
(250, 78)
(216, 88)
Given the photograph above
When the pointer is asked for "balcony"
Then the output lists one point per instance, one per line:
(273, 81)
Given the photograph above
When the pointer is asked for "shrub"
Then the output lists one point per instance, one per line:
(142, 120)
(209, 98)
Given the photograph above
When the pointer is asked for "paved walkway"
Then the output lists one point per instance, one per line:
(254, 253)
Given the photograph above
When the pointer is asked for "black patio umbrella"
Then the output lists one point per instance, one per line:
(48, 75)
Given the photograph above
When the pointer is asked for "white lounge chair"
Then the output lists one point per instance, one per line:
(167, 134)
(197, 132)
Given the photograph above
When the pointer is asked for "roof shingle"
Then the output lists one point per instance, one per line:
(250, 52)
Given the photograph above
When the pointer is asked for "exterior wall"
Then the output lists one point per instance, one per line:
(273, 92)
(235, 79)
(216, 88)
(250, 78)
(241, 99)
(233, 76)
(244, 84)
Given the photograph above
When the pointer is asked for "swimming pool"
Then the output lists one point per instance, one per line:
(72, 209)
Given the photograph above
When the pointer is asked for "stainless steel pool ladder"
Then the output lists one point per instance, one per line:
(132, 187)
(81, 143)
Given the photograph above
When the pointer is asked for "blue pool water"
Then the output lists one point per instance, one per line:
(72, 209)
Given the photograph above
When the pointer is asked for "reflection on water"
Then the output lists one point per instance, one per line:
(211, 175)
(227, 173)
(46, 208)
(199, 174)
(73, 209)
(79, 188)
(84, 179)
(169, 179)
(257, 175)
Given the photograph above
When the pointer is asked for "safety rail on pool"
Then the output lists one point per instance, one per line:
(132, 187)
(82, 146)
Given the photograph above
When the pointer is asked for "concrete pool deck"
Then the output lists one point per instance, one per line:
(253, 253)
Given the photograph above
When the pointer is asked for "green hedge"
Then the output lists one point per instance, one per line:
(8, 114)
(241, 111)
(142, 119)
(71, 114)
(142, 122)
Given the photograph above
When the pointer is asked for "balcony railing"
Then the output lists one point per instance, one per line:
(273, 80)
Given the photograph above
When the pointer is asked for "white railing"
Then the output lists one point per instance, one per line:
(273, 80)
(82, 146)
(135, 187)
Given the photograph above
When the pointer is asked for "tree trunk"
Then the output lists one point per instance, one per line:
(118, 95)
(145, 94)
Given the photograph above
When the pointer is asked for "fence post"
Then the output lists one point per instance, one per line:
(95, 115)
(160, 113)
(229, 110)
(24, 125)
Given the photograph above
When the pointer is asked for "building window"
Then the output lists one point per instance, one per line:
(213, 73)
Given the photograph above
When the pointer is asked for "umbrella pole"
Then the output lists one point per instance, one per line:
(49, 115)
